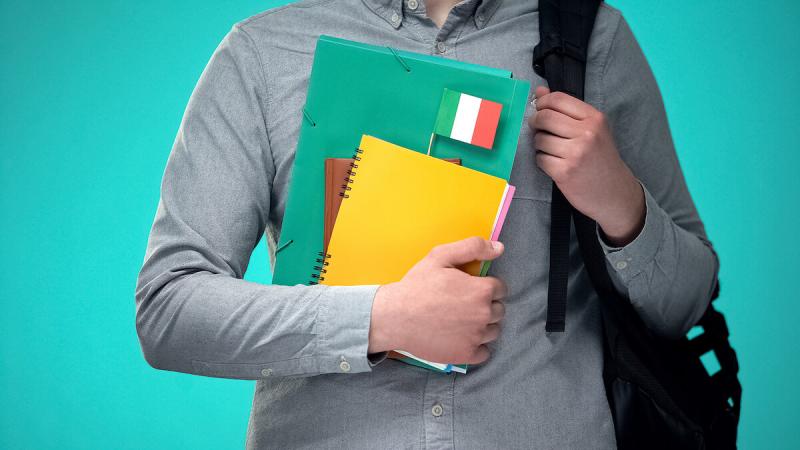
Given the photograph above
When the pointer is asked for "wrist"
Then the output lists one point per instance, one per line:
(625, 221)
(381, 334)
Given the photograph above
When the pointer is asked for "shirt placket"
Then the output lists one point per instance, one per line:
(438, 406)
(438, 409)
(442, 40)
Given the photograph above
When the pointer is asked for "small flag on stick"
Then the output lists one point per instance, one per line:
(467, 118)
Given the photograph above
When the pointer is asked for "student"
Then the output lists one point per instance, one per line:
(319, 351)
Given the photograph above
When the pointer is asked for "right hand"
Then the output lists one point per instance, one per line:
(438, 312)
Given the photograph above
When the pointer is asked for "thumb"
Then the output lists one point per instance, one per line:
(541, 91)
(465, 251)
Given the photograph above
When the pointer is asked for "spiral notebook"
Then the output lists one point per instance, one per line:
(397, 205)
(336, 170)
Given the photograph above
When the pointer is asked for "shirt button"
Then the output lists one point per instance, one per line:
(395, 18)
(412, 4)
(621, 265)
(266, 372)
(440, 47)
(345, 366)
(437, 410)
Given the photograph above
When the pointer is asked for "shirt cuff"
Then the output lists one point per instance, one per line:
(344, 321)
(630, 260)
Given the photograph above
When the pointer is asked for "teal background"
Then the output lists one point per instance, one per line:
(91, 96)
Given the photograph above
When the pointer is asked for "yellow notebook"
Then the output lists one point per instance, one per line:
(398, 205)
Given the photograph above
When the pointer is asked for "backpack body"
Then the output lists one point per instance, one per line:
(660, 394)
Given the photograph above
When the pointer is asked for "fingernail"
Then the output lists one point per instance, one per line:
(497, 245)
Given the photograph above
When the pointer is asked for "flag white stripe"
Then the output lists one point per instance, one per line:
(466, 117)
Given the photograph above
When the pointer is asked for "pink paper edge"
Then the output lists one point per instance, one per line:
(502, 217)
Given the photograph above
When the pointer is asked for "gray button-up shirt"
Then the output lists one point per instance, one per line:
(226, 185)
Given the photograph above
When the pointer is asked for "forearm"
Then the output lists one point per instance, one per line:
(667, 272)
(669, 269)
(212, 324)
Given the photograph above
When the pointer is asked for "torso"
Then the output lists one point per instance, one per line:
(536, 390)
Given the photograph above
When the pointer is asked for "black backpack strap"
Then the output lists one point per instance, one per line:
(560, 57)
(658, 391)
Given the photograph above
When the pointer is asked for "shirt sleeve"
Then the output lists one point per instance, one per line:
(194, 313)
(670, 269)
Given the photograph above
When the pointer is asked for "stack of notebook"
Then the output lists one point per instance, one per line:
(397, 205)
(410, 191)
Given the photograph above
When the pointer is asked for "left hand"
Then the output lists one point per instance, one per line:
(575, 147)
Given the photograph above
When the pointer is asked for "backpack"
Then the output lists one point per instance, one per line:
(659, 393)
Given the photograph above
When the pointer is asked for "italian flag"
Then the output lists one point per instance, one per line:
(467, 118)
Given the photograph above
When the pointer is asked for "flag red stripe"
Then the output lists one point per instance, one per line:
(486, 125)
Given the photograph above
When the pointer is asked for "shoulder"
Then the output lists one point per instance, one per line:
(288, 11)
(614, 57)
(298, 18)
(606, 30)
(613, 47)
(609, 16)
(286, 37)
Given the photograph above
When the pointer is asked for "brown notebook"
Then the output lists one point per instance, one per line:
(336, 173)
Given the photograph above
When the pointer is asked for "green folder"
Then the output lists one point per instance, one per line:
(358, 89)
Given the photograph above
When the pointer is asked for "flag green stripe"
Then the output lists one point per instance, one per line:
(447, 112)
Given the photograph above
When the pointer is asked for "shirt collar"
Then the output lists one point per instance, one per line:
(392, 10)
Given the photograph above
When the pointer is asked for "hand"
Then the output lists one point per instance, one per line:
(576, 149)
(438, 312)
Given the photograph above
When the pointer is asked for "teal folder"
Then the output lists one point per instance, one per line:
(358, 89)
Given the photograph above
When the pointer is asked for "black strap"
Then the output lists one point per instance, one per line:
(560, 57)
(560, 215)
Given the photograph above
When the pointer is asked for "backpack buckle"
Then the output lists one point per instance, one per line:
(554, 44)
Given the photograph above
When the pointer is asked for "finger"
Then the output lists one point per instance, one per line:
(551, 144)
(541, 91)
(551, 165)
(465, 251)
(498, 312)
(491, 333)
(555, 122)
(480, 355)
(566, 104)
(498, 287)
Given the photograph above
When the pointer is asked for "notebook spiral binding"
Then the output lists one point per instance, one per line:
(350, 174)
(319, 270)
(322, 260)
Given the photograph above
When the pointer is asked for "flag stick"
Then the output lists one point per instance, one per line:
(430, 143)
